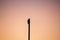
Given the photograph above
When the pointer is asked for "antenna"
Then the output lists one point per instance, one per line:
(28, 29)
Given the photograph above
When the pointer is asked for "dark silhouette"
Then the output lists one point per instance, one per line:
(29, 29)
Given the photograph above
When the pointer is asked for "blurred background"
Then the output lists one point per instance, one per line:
(44, 15)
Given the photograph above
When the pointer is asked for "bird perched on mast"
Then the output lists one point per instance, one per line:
(28, 29)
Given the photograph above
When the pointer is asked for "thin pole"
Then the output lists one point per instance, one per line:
(29, 29)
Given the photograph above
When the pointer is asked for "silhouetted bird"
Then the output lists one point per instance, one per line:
(29, 21)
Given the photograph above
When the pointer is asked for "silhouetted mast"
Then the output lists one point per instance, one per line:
(29, 29)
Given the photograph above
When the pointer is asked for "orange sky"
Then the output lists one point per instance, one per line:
(44, 20)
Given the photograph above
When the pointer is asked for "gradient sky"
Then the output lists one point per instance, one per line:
(44, 17)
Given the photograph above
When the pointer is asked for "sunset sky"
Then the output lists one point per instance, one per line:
(44, 17)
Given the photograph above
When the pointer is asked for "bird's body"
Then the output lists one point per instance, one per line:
(29, 21)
